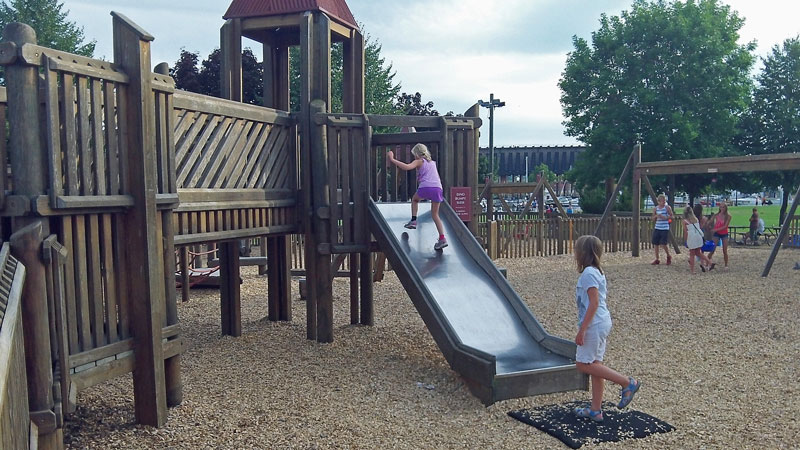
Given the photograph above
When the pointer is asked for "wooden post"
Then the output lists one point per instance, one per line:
(559, 234)
(492, 238)
(613, 198)
(366, 265)
(317, 72)
(489, 201)
(636, 202)
(231, 60)
(614, 243)
(277, 248)
(132, 55)
(262, 245)
(279, 279)
(185, 273)
(782, 234)
(473, 142)
(172, 366)
(322, 263)
(230, 299)
(28, 163)
(310, 241)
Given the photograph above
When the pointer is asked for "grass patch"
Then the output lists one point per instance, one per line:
(740, 215)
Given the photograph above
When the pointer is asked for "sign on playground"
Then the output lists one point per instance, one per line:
(461, 200)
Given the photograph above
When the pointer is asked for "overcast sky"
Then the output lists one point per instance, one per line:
(453, 52)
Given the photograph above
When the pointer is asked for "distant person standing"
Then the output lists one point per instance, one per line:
(754, 226)
(662, 215)
(694, 240)
(705, 225)
(720, 222)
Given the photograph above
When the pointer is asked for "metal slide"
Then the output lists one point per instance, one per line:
(485, 331)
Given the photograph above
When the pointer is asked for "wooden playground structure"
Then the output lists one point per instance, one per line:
(113, 171)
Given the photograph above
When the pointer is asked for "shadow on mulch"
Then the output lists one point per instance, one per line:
(561, 422)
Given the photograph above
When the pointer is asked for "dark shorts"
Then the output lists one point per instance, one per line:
(720, 236)
(660, 237)
(433, 194)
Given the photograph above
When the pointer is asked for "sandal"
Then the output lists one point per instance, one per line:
(669, 260)
(587, 413)
(626, 395)
(655, 263)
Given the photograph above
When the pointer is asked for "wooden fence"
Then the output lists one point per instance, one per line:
(522, 238)
(15, 423)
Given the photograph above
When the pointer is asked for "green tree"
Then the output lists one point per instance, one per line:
(549, 174)
(380, 89)
(668, 73)
(48, 18)
(483, 168)
(206, 78)
(773, 124)
(413, 105)
(186, 73)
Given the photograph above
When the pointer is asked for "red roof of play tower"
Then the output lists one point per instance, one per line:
(336, 9)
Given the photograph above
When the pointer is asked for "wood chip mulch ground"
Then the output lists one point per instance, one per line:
(718, 354)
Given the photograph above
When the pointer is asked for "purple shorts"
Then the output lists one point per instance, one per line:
(433, 194)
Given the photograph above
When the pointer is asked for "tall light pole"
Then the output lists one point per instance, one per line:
(491, 104)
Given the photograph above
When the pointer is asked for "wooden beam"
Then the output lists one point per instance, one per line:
(637, 202)
(220, 106)
(406, 138)
(613, 198)
(750, 163)
(132, 54)
(782, 234)
(230, 297)
(272, 22)
(321, 96)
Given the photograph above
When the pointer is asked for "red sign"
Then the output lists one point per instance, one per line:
(461, 201)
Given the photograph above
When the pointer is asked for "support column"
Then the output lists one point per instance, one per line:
(637, 202)
(782, 234)
(230, 81)
(230, 299)
(279, 279)
(132, 55)
(28, 161)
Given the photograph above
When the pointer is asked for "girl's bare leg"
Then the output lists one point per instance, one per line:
(414, 205)
(435, 215)
(656, 248)
(598, 369)
(597, 392)
(692, 254)
(725, 251)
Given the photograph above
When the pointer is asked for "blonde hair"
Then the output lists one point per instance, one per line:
(688, 214)
(421, 150)
(588, 250)
(725, 204)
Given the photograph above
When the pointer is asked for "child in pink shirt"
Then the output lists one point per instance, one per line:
(429, 187)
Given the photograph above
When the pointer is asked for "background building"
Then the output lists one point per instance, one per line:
(559, 158)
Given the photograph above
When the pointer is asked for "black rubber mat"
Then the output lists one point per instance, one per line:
(561, 422)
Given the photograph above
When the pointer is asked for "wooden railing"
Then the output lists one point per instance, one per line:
(221, 144)
(522, 238)
(15, 423)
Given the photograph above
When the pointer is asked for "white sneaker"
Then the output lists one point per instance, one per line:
(440, 244)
